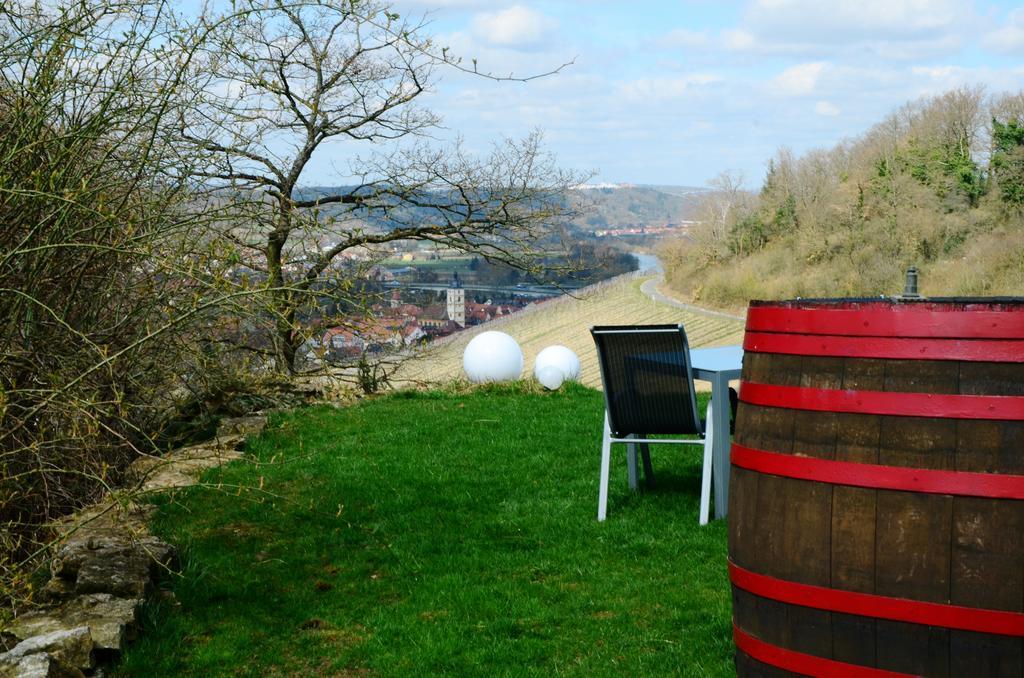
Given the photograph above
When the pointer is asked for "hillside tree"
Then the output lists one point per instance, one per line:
(1007, 165)
(276, 82)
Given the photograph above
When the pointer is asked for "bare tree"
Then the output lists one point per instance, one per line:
(725, 203)
(278, 80)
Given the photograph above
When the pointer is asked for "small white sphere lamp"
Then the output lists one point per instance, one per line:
(492, 356)
(550, 377)
(561, 358)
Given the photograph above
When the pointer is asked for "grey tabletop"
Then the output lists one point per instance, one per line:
(719, 359)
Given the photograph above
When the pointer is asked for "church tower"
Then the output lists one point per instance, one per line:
(457, 301)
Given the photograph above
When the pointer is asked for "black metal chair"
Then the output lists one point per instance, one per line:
(648, 389)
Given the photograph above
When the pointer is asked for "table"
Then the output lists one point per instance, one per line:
(719, 366)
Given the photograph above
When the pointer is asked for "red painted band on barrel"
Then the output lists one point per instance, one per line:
(879, 477)
(936, 405)
(976, 350)
(805, 664)
(922, 321)
(881, 607)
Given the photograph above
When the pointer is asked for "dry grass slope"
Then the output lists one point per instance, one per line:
(567, 321)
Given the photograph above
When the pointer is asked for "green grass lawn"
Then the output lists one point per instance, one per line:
(441, 533)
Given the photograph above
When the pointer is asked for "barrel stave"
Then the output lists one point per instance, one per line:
(858, 437)
(990, 446)
(913, 546)
(920, 376)
(814, 434)
(988, 548)
(866, 374)
(985, 378)
(819, 372)
(853, 640)
(982, 654)
(913, 649)
(853, 566)
(765, 428)
(743, 492)
(916, 442)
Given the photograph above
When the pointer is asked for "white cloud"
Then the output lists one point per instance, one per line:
(1009, 38)
(826, 108)
(910, 50)
(738, 40)
(682, 37)
(887, 29)
(799, 80)
(929, 81)
(867, 18)
(661, 89)
(456, 4)
(517, 26)
(937, 72)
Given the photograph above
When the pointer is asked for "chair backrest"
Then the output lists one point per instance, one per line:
(648, 382)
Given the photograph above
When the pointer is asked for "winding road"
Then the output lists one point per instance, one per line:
(650, 288)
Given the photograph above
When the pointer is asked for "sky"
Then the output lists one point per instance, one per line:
(663, 92)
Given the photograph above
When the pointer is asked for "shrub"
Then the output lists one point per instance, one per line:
(104, 273)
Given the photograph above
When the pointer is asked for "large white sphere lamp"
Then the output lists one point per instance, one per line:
(492, 356)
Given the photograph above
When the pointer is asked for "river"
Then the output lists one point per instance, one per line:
(648, 262)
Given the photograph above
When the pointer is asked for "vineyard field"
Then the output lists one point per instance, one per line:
(567, 321)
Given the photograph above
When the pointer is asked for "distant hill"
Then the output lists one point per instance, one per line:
(607, 206)
(681, 191)
(602, 206)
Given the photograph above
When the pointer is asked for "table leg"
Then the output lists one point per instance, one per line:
(721, 444)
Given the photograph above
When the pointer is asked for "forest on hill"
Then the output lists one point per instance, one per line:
(939, 184)
(621, 206)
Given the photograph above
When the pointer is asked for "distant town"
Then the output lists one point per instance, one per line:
(423, 294)
(398, 323)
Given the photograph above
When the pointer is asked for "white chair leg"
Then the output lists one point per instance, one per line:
(606, 462)
(632, 466)
(705, 480)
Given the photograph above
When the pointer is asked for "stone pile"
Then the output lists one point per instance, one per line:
(106, 567)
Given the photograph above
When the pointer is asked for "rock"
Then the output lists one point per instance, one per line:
(71, 647)
(231, 442)
(56, 591)
(38, 666)
(119, 513)
(242, 426)
(109, 561)
(233, 433)
(124, 573)
(85, 545)
(162, 556)
(182, 468)
(167, 478)
(111, 620)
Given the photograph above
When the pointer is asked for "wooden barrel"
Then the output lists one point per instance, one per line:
(876, 500)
